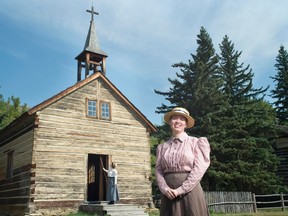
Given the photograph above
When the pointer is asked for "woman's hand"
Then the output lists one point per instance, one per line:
(171, 194)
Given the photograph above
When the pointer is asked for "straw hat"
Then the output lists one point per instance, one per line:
(179, 111)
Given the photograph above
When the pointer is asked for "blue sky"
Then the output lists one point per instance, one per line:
(40, 39)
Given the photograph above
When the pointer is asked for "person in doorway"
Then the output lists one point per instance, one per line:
(180, 165)
(112, 193)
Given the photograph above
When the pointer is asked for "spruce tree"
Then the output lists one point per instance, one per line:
(197, 85)
(281, 86)
(243, 150)
(197, 88)
(231, 113)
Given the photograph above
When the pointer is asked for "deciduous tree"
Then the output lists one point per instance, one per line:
(10, 110)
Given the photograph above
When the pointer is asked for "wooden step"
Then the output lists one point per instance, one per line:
(113, 209)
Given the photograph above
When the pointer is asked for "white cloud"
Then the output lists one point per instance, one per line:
(144, 38)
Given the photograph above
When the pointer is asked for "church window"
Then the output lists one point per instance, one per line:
(91, 108)
(105, 110)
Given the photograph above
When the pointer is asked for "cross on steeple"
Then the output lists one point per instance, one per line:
(92, 58)
(92, 13)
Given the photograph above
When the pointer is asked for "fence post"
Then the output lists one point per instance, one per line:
(254, 203)
(282, 202)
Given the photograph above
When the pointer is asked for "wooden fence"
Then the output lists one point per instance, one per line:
(236, 202)
(229, 202)
(270, 201)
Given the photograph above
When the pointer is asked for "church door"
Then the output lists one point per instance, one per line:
(97, 179)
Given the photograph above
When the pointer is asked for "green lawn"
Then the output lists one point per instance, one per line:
(254, 214)
(155, 212)
(259, 213)
(272, 212)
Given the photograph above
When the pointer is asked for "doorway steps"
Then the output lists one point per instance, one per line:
(103, 209)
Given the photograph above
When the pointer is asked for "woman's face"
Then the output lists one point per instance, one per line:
(178, 124)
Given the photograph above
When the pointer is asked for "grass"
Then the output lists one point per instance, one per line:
(155, 212)
(266, 212)
(259, 213)
(254, 214)
(80, 214)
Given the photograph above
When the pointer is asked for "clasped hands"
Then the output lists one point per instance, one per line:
(171, 194)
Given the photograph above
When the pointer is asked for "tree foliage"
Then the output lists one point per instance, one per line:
(10, 110)
(218, 92)
(197, 85)
(244, 142)
(281, 86)
(238, 79)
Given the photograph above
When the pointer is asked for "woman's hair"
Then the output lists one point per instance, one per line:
(113, 165)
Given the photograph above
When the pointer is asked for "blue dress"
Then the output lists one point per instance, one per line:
(112, 192)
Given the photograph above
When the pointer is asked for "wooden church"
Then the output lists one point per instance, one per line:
(51, 157)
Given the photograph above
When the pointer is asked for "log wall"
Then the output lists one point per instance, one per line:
(15, 191)
(65, 137)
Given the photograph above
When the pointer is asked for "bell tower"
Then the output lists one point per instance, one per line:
(92, 59)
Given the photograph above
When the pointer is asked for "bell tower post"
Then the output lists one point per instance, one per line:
(92, 59)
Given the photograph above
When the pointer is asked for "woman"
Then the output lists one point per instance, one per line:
(181, 163)
(112, 193)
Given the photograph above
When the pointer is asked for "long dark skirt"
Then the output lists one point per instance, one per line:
(191, 204)
(112, 193)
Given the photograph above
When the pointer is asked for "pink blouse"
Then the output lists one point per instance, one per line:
(186, 153)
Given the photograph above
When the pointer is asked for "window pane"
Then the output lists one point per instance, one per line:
(105, 111)
(91, 108)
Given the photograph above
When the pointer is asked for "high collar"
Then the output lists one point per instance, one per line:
(181, 137)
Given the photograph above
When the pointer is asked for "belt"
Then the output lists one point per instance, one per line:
(177, 172)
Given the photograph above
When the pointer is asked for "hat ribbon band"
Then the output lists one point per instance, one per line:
(181, 111)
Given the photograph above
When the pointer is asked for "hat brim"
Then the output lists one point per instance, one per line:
(190, 120)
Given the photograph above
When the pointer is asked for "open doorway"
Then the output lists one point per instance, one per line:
(97, 180)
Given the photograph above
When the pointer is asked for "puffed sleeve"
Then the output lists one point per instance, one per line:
(201, 164)
(159, 173)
